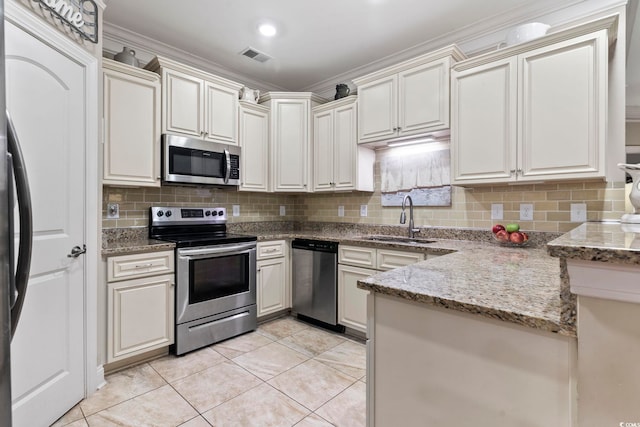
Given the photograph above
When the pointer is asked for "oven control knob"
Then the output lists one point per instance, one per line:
(216, 213)
(160, 213)
(168, 214)
(207, 213)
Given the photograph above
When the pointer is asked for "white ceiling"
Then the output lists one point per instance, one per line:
(316, 40)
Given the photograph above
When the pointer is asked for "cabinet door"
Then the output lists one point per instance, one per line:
(345, 165)
(131, 129)
(183, 105)
(423, 98)
(562, 109)
(140, 316)
(254, 140)
(271, 286)
(378, 111)
(357, 255)
(352, 301)
(323, 157)
(221, 112)
(290, 141)
(484, 116)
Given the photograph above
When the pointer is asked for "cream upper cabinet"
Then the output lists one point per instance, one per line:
(254, 140)
(290, 139)
(532, 112)
(131, 105)
(339, 163)
(196, 103)
(407, 99)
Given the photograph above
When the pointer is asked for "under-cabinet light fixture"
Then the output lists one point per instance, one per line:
(411, 142)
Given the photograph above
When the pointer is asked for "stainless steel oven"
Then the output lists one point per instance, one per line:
(215, 293)
(215, 275)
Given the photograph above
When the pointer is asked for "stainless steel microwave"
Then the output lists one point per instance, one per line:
(193, 161)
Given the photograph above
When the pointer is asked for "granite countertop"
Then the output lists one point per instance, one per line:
(517, 285)
(606, 242)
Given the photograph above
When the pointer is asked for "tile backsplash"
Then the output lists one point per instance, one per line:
(469, 208)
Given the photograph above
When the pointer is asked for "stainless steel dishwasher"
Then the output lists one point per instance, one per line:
(315, 282)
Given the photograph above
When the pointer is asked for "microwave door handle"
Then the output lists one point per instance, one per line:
(227, 174)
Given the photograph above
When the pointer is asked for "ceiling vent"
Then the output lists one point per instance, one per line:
(255, 55)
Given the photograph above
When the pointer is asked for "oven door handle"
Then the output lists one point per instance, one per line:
(217, 250)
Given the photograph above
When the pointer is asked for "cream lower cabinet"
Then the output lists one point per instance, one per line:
(140, 304)
(272, 277)
(356, 263)
(339, 163)
(254, 141)
(536, 111)
(131, 107)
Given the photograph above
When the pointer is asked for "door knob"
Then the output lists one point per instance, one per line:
(77, 251)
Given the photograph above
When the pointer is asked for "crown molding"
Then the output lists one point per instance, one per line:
(115, 37)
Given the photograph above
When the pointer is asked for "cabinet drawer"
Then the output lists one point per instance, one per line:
(388, 260)
(275, 249)
(139, 265)
(358, 256)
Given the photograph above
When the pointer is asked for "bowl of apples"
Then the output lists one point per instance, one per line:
(510, 235)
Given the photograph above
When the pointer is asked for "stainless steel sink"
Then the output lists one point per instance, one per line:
(397, 239)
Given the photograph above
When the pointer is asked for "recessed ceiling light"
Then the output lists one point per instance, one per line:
(267, 30)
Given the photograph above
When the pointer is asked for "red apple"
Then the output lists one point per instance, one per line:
(516, 237)
(525, 235)
(502, 235)
(497, 228)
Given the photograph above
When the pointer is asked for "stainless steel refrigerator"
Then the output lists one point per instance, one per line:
(14, 274)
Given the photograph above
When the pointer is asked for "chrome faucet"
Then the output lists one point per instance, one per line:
(403, 216)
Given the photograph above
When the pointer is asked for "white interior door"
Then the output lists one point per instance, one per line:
(45, 96)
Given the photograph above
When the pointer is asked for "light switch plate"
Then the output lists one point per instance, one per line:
(341, 210)
(578, 212)
(526, 212)
(363, 210)
(283, 210)
(113, 211)
(236, 210)
(497, 211)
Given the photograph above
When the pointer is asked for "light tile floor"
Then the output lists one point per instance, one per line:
(287, 373)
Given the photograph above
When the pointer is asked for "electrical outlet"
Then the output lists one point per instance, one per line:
(578, 212)
(283, 210)
(526, 212)
(341, 210)
(363, 210)
(497, 211)
(236, 210)
(113, 210)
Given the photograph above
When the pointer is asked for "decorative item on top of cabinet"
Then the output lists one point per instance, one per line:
(131, 105)
(254, 141)
(407, 99)
(534, 111)
(140, 303)
(291, 139)
(339, 163)
(272, 278)
(196, 103)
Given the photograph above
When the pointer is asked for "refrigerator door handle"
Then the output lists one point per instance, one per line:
(26, 222)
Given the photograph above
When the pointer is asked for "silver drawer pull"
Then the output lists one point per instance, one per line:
(144, 265)
(270, 250)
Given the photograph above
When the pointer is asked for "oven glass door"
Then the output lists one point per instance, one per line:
(214, 279)
(219, 277)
